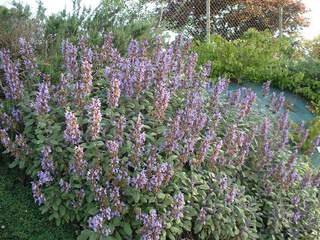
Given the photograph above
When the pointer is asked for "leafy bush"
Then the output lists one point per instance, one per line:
(310, 86)
(144, 149)
(258, 57)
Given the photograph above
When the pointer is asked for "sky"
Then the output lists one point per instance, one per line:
(54, 6)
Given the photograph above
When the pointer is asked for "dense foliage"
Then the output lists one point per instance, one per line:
(259, 57)
(141, 146)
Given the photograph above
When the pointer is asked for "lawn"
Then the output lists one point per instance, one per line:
(20, 217)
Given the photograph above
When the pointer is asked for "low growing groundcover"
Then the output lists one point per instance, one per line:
(20, 218)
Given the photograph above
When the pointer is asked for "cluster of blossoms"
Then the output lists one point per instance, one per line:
(79, 165)
(84, 86)
(38, 196)
(69, 52)
(266, 88)
(95, 118)
(114, 93)
(138, 138)
(96, 224)
(14, 86)
(154, 177)
(118, 173)
(152, 225)
(26, 52)
(277, 102)
(62, 90)
(72, 132)
(178, 206)
(41, 104)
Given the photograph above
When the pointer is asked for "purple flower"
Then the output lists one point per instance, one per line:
(204, 147)
(138, 138)
(266, 88)
(14, 86)
(152, 226)
(106, 47)
(5, 140)
(234, 97)
(70, 59)
(44, 177)
(174, 133)
(107, 213)
(79, 165)
(162, 98)
(178, 206)
(296, 216)
(113, 147)
(96, 222)
(93, 175)
(216, 152)
(306, 180)
(202, 215)
(42, 99)
(192, 61)
(231, 195)
(246, 102)
(114, 93)
(223, 183)
(26, 52)
(64, 186)
(316, 180)
(37, 193)
(277, 102)
(46, 159)
(303, 135)
(295, 200)
(62, 91)
(116, 201)
(16, 114)
(217, 90)
(140, 181)
(315, 144)
(265, 128)
(162, 174)
(95, 118)
(72, 132)
(120, 126)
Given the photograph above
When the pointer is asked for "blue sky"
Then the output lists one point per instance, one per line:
(56, 5)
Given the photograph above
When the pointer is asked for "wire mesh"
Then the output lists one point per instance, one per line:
(228, 18)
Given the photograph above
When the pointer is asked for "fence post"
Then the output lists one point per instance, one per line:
(281, 21)
(161, 14)
(208, 29)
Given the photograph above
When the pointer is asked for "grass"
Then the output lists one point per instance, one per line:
(20, 218)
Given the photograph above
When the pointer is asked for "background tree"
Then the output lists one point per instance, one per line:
(231, 18)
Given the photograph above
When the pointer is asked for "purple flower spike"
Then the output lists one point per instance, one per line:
(95, 118)
(152, 226)
(72, 132)
(14, 86)
(266, 88)
(42, 99)
(178, 206)
(37, 193)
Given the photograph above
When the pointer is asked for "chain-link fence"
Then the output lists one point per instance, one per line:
(228, 18)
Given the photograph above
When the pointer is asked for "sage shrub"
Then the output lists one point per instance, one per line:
(142, 146)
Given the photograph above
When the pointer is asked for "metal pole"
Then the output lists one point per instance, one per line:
(161, 14)
(208, 20)
(281, 21)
